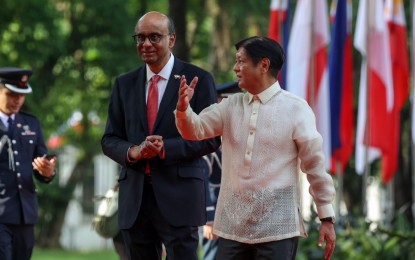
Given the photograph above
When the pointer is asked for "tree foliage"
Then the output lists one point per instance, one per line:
(77, 47)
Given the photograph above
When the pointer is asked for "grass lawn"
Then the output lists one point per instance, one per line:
(61, 254)
(54, 254)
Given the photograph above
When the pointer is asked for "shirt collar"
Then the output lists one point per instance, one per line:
(267, 94)
(5, 117)
(165, 72)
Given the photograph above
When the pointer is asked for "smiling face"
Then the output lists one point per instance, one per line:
(155, 54)
(10, 102)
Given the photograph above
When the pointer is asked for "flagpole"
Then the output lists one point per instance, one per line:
(312, 61)
(388, 189)
(366, 173)
(412, 106)
(280, 34)
(339, 192)
(312, 66)
(390, 201)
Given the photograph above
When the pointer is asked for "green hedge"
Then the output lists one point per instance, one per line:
(358, 239)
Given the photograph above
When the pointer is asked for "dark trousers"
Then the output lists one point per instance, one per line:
(16, 241)
(119, 246)
(285, 249)
(210, 247)
(144, 240)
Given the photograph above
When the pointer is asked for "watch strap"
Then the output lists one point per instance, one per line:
(328, 219)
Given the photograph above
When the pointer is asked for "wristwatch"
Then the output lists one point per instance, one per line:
(329, 219)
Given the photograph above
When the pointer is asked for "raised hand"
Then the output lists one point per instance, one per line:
(186, 93)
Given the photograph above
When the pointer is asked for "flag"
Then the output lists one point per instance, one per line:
(413, 71)
(307, 64)
(341, 84)
(279, 30)
(395, 18)
(376, 97)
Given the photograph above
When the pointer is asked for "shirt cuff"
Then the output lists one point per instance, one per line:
(162, 154)
(50, 178)
(181, 114)
(128, 158)
(325, 211)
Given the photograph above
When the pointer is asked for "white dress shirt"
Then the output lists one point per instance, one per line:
(164, 78)
(267, 141)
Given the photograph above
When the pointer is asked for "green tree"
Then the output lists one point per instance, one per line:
(75, 48)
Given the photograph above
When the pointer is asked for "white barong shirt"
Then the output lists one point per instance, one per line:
(267, 141)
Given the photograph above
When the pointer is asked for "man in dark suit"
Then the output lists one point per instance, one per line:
(23, 154)
(162, 187)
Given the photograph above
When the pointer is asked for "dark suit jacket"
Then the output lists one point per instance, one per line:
(18, 196)
(213, 165)
(178, 180)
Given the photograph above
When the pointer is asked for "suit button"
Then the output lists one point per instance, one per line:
(16, 152)
(20, 186)
(17, 163)
(13, 141)
(19, 175)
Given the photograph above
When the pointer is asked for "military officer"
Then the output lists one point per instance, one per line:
(23, 154)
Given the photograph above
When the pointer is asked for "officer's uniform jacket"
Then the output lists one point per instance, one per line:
(18, 198)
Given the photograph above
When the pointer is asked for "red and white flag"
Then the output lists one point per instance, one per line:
(376, 95)
(279, 30)
(395, 18)
(307, 64)
(278, 14)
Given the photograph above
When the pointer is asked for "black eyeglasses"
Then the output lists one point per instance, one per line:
(152, 37)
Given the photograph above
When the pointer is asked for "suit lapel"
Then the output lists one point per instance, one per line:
(171, 93)
(140, 86)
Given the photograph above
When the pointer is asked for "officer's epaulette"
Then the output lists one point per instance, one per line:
(27, 114)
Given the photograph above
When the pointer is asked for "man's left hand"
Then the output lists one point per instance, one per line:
(328, 235)
(154, 146)
(44, 166)
(208, 232)
(186, 93)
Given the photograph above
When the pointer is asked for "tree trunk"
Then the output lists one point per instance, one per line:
(177, 12)
(403, 178)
